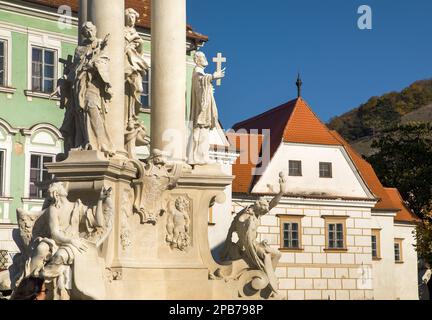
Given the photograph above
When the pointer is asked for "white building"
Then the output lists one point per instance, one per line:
(342, 234)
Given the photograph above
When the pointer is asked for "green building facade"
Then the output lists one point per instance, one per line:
(32, 39)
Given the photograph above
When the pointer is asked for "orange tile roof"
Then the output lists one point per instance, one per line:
(368, 175)
(247, 161)
(143, 7)
(295, 122)
(405, 214)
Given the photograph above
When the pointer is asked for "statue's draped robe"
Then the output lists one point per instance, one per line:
(80, 223)
(203, 117)
(88, 79)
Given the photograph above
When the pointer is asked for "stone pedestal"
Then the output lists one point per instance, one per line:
(149, 268)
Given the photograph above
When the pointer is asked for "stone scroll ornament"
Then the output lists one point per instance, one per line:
(135, 69)
(204, 113)
(85, 91)
(253, 262)
(155, 176)
(60, 245)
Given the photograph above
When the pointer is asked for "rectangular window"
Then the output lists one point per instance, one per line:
(290, 236)
(325, 170)
(2, 171)
(376, 250)
(335, 233)
(145, 96)
(295, 168)
(44, 71)
(3, 63)
(39, 176)
(398, 250)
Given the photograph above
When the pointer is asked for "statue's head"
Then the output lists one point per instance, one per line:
(261, 207)
(56, 191)
(88, 31)
(158, 157)
(131, 17)
(181, 204)
(200, 59)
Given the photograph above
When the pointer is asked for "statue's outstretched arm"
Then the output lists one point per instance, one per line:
(282, 182)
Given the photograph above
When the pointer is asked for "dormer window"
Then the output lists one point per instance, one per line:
(325, 170)
(295, 168)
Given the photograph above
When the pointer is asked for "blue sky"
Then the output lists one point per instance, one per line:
(268, 42)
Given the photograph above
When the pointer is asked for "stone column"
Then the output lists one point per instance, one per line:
(82, 17)
(108, 17)
(168, 86)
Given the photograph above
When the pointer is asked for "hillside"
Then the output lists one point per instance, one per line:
(362, 125)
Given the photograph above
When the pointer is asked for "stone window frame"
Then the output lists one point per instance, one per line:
(335, 220)
(6, 36)
(43, 78)
(377, 234)
(300, 169)
(48, 42)
(290, 219)
(330, 176)
(399, 242)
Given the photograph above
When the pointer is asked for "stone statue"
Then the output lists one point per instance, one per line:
(204, 114)
(135, 68)
(155, 176)
(257, 255)
(178, 224)
(60, 245)
(85, 90)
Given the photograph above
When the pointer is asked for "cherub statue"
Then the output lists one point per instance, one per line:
(258, 255)
(59, 244)
(178, 225)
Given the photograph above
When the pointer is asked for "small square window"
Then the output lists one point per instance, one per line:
(325, 170)
(335, 233)
(295, 168)
(290, 237)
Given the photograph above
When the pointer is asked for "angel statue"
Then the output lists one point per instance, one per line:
(257, 255)
(60, 246)
(178, 224)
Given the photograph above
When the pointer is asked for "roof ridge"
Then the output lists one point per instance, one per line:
(266, 113)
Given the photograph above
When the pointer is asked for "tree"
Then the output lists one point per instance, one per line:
(404, 161)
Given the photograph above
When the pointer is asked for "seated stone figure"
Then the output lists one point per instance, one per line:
(60, 245)
(257, 255)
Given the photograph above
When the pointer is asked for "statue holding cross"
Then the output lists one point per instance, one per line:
(204, 113)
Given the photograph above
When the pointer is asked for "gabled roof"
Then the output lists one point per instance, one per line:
(368, 175)
(295, 122)
(143, 7)
(405, 214)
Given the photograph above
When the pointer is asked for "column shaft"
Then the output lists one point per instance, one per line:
(82, 17)
(108, 17)
(169, 77)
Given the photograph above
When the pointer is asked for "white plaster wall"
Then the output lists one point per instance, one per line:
(406, 273)
(344, 181)
(384, 269)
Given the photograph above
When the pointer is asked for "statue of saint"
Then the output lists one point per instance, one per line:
(85, 90)
(204, 114)
(135, 68)
(258, 255)
(59, 245)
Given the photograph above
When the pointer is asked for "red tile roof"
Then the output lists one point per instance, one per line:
(143, 7)
(405, 214)
(295, 122)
